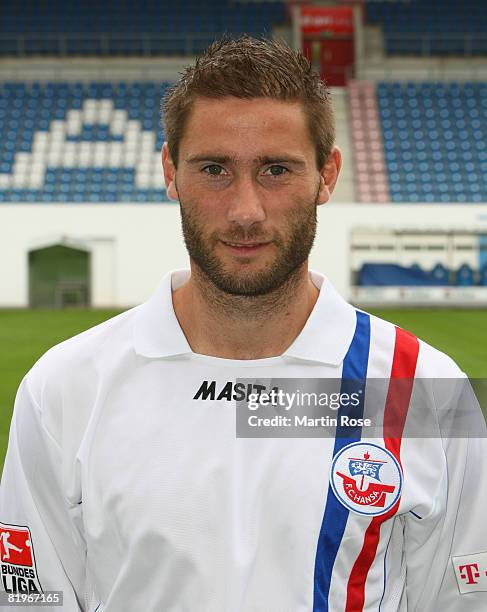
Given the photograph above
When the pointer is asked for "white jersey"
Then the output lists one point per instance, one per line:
(126, 487)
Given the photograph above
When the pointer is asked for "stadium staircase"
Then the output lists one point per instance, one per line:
(371, 183)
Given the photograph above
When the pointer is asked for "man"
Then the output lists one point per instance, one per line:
(124, 470)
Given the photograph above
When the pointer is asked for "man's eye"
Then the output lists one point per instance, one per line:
(214, 170)
(276, 170)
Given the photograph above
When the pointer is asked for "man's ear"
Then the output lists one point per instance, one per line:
(169, 173)
(329, 175)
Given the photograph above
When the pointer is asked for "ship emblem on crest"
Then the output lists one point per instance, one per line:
(366, 478)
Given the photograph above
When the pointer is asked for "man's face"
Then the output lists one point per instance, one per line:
(248, 188)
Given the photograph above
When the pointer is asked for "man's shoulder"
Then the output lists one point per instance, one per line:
(86, 351)
(63, 384)
(431, 362)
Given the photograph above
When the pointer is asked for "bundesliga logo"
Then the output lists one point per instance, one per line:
(366, 478)
(17, 564)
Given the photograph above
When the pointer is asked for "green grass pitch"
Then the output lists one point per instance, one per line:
(26, 334)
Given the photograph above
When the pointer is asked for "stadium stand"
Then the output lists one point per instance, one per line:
(101, 141)
(148, 27)
(75, 142)
(428, 27)
(387, 274)
(434, 138)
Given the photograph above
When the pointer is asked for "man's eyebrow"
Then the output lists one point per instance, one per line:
(219, 159)
(224, 159)
(282, 159)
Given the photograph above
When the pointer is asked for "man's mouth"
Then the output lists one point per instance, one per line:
(245, 247)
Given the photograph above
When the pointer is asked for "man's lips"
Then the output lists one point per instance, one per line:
(245, 247)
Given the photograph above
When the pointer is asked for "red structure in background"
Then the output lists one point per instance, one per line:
(327, 34)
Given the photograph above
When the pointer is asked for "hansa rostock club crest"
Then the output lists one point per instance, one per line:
(366, 478)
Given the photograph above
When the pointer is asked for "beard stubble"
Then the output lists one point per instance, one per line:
(293, 246)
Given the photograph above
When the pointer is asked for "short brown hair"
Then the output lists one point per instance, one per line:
(251, 68)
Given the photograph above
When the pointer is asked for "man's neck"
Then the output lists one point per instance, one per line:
(235, 327)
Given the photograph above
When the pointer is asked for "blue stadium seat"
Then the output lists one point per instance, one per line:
(464, 276)
(440, 275)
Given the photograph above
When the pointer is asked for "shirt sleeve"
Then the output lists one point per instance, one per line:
(446, 552)
(41, 542)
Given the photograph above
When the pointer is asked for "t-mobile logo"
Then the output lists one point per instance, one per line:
(471, 572)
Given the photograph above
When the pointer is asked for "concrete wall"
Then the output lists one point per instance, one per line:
(132, 246)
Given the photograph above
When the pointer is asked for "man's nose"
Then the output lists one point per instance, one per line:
(246, 205)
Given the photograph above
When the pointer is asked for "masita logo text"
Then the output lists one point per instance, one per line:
(257, 395)
(236, 391)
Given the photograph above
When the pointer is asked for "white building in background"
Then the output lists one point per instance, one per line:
(131, 246)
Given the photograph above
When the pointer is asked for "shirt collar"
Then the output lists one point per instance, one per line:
(325, 337)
